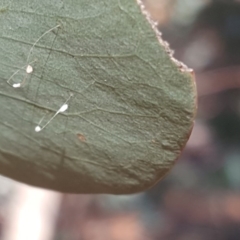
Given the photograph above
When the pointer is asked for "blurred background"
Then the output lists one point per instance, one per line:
(200, 198)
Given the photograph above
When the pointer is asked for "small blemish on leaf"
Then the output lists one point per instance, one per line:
(81, 137)
(3, 10)
(155, 141)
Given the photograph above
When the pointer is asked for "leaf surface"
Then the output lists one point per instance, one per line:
(132, 107)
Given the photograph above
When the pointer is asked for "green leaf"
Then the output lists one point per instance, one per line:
(132, 107)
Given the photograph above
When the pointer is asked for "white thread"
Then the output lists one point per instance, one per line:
(28, 67)
(62, 109)
(30, 52)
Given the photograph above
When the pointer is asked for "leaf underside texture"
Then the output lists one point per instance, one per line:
(132, 107)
